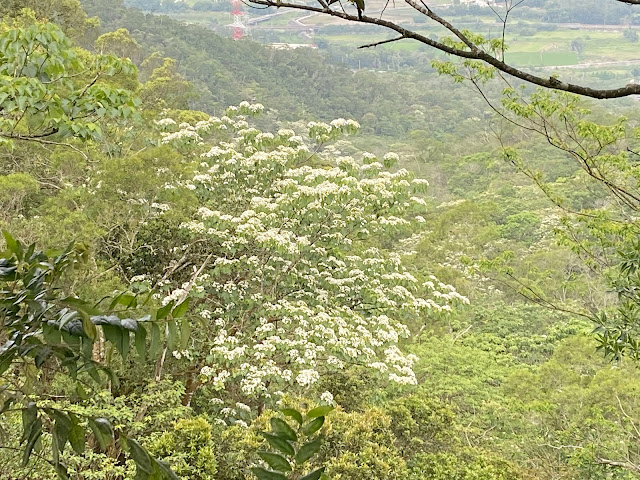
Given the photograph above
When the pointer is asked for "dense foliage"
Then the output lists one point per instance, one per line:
(220, 292)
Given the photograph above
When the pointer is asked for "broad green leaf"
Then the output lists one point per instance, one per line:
(279, 444)
(172, 334)
(140, 340)
(308, 450)
(180, 309)
(282, 429)
(29, 416)
(89, 328)
(140, 456)
(44, 352)
(6, 405)
(275, 461)
(164, 311)
(154, 346)
(313, 426)
(185, 333)
(165, 471)
(62, 428)
(315, 475)
(293, 413)
(76, 435)
(319, 411)
(81, 392)
(14, 245)
(7, 270)
(264, 474)
(6, 359)
(102, 431)
(61, 471)
(34, 435)
(119, 337)
(127, 300)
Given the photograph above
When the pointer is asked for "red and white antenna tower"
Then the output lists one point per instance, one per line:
(238, 26)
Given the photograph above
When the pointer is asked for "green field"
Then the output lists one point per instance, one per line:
(529, 44)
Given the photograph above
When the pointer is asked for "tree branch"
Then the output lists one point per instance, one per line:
(375, 44)
(625, 465)
(39, 139)
(473, 52)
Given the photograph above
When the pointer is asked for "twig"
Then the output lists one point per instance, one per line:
(369, 45)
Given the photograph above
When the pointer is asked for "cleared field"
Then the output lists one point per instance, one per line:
(529, 44)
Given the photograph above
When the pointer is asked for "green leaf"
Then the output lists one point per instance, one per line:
(119, 337)
(275, 461)
(319, 411)
(172, 334)
(140, 340)
(81, 392)
(293, 413)
(6, 405)
(180, 309)
(6, 359)
(185, 333)
(308, 450)
(55, 447)
(62, 428)
(7, 270)
(41, 357)
(29, 416)
(128, 300)
(279, 444)
(313, 426)
(164, 311)
(51, 334)
(140, 456)
(12, 244)
(89, 328)
(61, 470)
(155, 340)
(165, 471)
(282, 429)
(34, 435)
(102, 431)
(315, 475)
(264, 474)
(76, 435)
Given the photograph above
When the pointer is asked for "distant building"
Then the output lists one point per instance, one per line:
(291, 46)
(479, 3)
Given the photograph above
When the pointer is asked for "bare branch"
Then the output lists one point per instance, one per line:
(39, 139)
(625, 465)
(369, 45)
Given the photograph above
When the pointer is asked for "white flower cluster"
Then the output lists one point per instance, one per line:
(293, 292)
(186, 135)
(324, 132)
(327, 397)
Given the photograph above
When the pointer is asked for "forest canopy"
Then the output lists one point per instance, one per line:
(198, 288)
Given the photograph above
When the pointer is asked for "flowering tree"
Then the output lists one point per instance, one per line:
(286, 278)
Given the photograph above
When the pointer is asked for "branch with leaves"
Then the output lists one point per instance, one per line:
(44, 329)
(295, 446)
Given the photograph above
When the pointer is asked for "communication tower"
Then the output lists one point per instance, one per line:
(238, 26)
